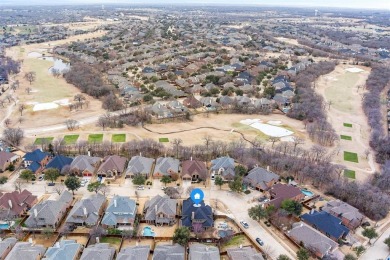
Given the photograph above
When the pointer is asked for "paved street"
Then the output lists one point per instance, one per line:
(379, 250)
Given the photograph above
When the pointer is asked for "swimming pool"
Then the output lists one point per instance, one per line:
(148, 232)
(5, 225)
(307, 192)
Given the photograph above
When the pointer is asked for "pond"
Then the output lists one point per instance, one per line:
(59, 64)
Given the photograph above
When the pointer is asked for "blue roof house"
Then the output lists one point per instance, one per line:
(63, 250)
(326, 223)
(35, 160)
(59, 162)
(121, 211)
(197, 219)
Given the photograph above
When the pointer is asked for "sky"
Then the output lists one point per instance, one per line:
(372, 4)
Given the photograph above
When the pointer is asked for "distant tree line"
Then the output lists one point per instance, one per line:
(309, 106)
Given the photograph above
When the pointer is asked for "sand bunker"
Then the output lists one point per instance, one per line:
(270, 130)
(354, 70)
(277, 123)
(34, 54)
(51, 105)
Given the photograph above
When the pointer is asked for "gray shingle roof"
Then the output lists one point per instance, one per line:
(222, 162)
(86, 211)
(169, 252)
(203, 252)
(343, 210)
(84, 162)
(260, 176)
(7, 243)
(244, 253)
(26, 250)
(113, 162)
(134, 253)
(124, 211)
(312, 239)
(164, 164)
(101, 251)
(64, 250)
(139, 165)
(162, 204)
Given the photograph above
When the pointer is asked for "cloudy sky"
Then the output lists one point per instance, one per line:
(377, 4)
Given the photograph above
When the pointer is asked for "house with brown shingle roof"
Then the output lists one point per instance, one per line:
(192, 102)
(280, 192)
(112, 166)
(6, 159)
(17, 203)
(193, 170)
(349, 215)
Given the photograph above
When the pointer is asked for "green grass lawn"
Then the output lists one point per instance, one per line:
(163, 140)
(95, 138)
(71, 139)
(346, 137)
(43, 140)
(236, 241)
(347, 125)
(349, 174)
(111, 240)
(351, 157)
(118, 138)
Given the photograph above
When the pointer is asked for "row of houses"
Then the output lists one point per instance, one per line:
(68, 249)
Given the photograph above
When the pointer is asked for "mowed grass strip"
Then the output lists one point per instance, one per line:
(349, 174)
(351, 157)
(118, 138)
(43, 140)
(95, 138)
(347, 125)
(71, 139)
(163, 140)
(346, 137)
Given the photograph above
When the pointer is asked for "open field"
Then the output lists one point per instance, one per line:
(95, 138)
(71, 139)
(351, 157)
(118, 138)
(349, 174)
(342, 88)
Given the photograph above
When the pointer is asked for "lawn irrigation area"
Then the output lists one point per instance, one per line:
(351, 157)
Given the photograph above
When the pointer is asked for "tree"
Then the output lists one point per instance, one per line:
(18, 184)
(257, 213)
(72, 183)
(283, 257)
(303, 254)
(52, 174)
(28, 90)
(95, 186)
(176, 143)
(359, 250)
(27, 175)
(240, 170)
(349, 257)
(47, 232)
(97, 231)
(3, 179)
(21, 108)
(181, 236)
(80, 99)
(59, 188)
(139, 179)
(30, 76)
(387, 242)
(166, 179)
(13, 136)
(7, 122)
(219, 181)
(72, 124)
(292, 206)
(236, 184)
(370, 233)
(273, 140)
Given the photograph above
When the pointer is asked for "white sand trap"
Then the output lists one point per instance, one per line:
(277, 123)
(269, 130)
(354, 70)
(34, 54)
(62, 102)
(45, 106)
(287, 139)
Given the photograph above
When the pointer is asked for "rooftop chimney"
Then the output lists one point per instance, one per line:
(193, 215)
(89, 153)
(30, 240)
(268, 168)
(207, 248)
(140, 154)
(57, 245)
(240, 245)
(155, 208)
(35, 213)
(191, 158)
(115, 203)
(97, 240)
(85, 211)
(10, 204)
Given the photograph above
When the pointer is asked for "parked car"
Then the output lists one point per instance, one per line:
(244, 224)
(140, 188)
(51, 184)
(212, 176)
(259, 241)
(366, 224)
(41, 177)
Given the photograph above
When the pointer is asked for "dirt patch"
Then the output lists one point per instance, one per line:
(83, 240)
(43, 240)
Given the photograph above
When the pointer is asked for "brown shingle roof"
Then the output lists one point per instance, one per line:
(19, 201)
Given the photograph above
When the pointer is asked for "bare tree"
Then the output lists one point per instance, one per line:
(13, 136)
(72, 124)
(273, 140)
(56, 72)
(59, 188)
(7, 122)
(19, 185)
(105, 190)
(80, 98)
(103, 122)
(28, 90)
(30, 76)
(298, 141)
(21, 108)
(176, 143)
